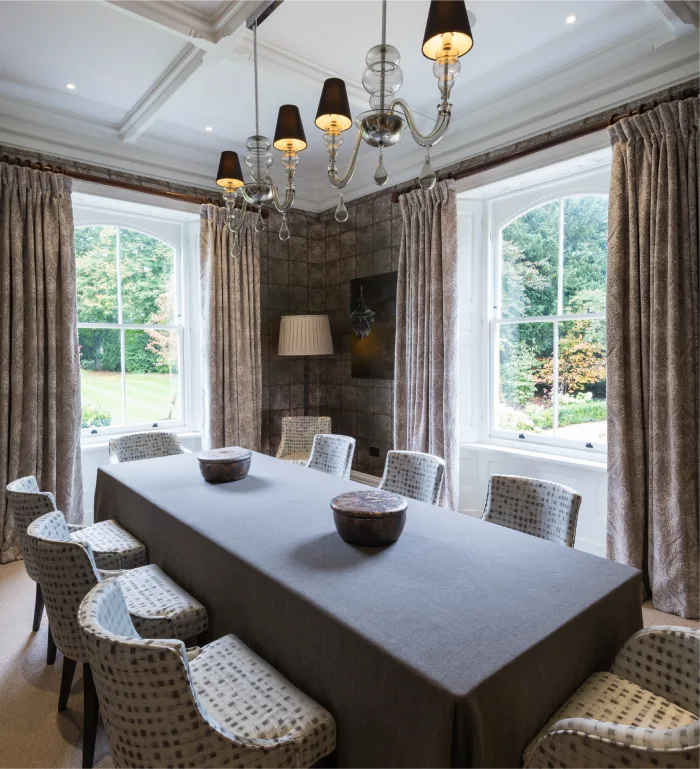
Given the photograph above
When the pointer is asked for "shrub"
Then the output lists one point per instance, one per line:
(93, 415)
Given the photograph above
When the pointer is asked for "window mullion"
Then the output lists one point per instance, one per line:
(555, 380)
(560, 261)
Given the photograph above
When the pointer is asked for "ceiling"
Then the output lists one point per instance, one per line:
(151, 76)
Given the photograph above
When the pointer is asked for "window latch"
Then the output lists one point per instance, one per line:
(93, 432)
(521, 436)
(589, 445)
(155, 424)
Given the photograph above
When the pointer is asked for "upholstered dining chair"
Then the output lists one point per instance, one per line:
(541, 508)
(66, 571)
(332, 454)
(112, 546)
(644, 712)
(157, 443)
(218, 706)
(298, 437)
(413, 474)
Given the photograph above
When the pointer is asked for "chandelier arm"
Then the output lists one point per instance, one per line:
(234, 221)
(340, 182)
(441, 124)
(288, 201)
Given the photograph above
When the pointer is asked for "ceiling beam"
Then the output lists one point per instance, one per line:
(146, 110)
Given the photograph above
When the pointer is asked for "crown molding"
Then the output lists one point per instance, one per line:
(146, 110)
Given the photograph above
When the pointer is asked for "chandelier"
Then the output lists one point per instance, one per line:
(448, 36)
(260, 191)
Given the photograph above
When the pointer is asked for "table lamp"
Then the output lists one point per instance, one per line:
(305, 335)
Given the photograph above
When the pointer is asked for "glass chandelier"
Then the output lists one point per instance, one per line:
(261, 191)
(448, 37)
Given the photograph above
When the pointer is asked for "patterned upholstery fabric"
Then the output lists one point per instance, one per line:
(67, 572)
(113, 547)
(413, 474)
(612, 721)
(332, 454)
(226, 707)
(129, 448)
(298, 437)
(540, 508)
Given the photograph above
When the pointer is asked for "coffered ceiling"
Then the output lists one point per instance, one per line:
(151, 77)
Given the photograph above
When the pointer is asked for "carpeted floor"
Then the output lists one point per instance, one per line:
(33, 733)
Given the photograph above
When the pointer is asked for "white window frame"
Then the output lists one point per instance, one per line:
(502, 211)
(178, 230)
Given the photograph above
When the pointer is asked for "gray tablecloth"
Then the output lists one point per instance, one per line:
(449, 648)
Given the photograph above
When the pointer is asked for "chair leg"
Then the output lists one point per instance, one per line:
(51, 650)
(66, 682)
(38, 608)
(91, 707)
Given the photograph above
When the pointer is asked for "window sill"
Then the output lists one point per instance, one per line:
(596, 465)
(101, 442)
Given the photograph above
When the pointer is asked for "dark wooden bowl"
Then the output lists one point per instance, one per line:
(369, 518)
(224, 465)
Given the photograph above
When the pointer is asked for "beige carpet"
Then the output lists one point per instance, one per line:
(32, 732)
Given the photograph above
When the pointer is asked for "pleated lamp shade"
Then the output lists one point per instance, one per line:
(305, 335)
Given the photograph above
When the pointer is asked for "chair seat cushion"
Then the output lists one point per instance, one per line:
(607, 697)
(251, 700)
(159, 607)
(112, 546)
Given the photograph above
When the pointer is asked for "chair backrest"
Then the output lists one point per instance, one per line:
(151, 712)
(66, 572)
(542, 508)
(332, 454)
(413, 474)
(129, 448)
(298, 434)
(25, 504)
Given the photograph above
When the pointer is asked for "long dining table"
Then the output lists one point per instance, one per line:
(451, 647)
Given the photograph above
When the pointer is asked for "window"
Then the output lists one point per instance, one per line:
(130, 330)
(547, 344)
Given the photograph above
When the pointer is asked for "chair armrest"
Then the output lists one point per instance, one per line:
(111, 573)
(663, 660)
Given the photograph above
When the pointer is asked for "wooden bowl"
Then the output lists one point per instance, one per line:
(224, 465)
(369, 518)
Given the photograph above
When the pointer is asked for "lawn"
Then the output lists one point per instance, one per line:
(149, 397)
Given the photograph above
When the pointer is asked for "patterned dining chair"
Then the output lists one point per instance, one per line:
(644, 712)
(113, 546)
(129, 448)
(541, 508)
(66, 571)
(222, 706)
(413, 474)
(298, 437)
(332, 454)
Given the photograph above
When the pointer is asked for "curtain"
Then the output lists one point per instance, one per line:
(39, 359)
(653, 329)
(425, 370)
(232, 370)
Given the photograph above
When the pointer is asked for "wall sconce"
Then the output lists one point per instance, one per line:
(362, 318)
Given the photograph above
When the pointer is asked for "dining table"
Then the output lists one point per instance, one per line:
(451, 647)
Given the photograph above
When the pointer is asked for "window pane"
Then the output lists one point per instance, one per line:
(529, 254)
(100, 377)
(152, 386)
(96, 274)
(582, 381)
(148, 278)
(525, 377)
(585, 253)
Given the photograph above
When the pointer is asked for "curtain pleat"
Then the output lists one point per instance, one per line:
(39, 357)
(653, 339)
(232, 371)
(425, 376)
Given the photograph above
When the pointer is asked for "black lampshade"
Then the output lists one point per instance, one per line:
(289, 134)
(229, 174)
(333, 106)
(447, 16)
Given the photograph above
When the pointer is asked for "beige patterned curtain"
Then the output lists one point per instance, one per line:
(232, 371)
(39, 361)
(653, 328)
(425, 374)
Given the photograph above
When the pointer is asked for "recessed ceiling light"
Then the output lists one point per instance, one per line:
(571, 18)
(208, 128)
(70, 86)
